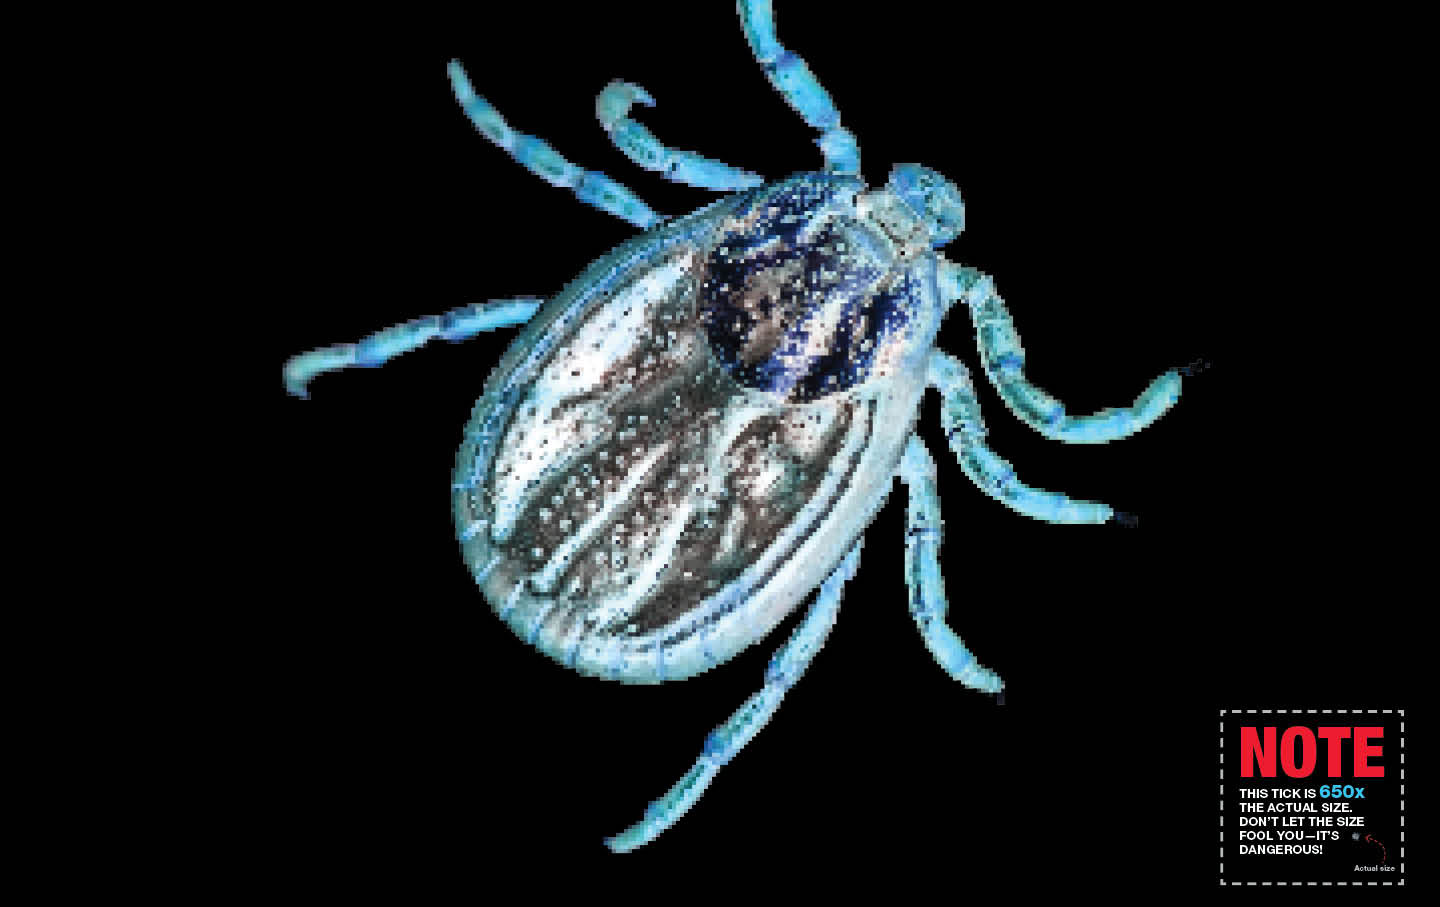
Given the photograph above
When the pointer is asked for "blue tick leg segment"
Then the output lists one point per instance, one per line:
(640, 145)
(539, 158)
(728, 739)
(799, 87)
(1004, 362)
(922, 573)
(960, 417)
(384, 345)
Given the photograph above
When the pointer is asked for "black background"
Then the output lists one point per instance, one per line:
(1140, 203)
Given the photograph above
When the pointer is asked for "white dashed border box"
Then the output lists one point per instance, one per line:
(1398, 883)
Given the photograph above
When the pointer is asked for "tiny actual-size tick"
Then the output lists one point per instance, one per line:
(693, 435)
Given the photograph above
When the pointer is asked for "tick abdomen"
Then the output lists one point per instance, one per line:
(639, 494)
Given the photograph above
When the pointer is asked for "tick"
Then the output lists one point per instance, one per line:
(693, 435)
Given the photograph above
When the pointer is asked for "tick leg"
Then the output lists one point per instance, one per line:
(640, 145)
(1004, 362)
(960, 416)
(539, 158)
(384, 345)
(799, 87)
(726, 740)
(922, 573)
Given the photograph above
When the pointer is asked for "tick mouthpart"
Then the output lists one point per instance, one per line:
(888, 213)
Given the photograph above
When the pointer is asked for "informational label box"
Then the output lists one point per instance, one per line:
(1312, 797)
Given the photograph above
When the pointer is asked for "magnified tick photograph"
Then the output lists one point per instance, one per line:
(729, 429)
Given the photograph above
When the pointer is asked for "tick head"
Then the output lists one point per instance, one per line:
(933, 199)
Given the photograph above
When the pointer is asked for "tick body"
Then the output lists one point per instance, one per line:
(691, 438)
